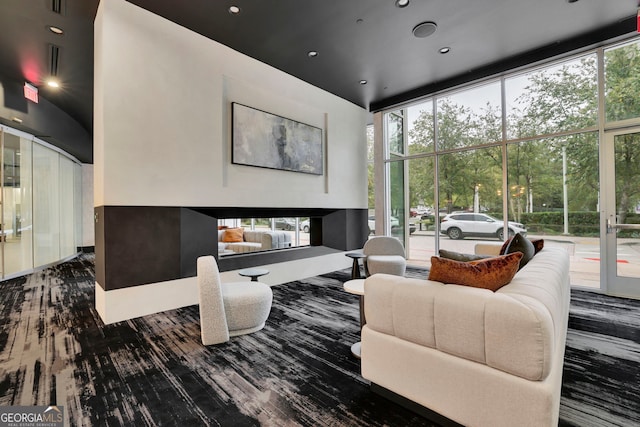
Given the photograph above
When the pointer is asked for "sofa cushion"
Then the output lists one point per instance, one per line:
(233, 235)
(519, 243)
(243, 247)
(489, 273)
(457, 256)
(538, 244)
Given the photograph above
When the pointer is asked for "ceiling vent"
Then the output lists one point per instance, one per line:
(425, 29)
(54, 57)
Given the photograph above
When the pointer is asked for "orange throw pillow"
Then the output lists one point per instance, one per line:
(538, 244)
(233, 235)
(490, 273)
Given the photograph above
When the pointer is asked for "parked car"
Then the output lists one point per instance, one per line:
(466, 224)
(285, 223)
(395, 222)
(304, 225)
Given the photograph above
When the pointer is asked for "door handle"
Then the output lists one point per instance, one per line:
(612, 226)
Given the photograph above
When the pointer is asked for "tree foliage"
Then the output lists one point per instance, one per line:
(553, 100)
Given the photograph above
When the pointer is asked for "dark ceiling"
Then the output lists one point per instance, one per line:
(356, 40)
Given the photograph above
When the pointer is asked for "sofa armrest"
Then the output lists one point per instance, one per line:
(275, 240)
(487, 249)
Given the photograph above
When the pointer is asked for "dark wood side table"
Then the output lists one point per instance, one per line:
(355, 269)
(254, 273)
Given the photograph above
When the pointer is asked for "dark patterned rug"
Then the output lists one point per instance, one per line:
(298, 370)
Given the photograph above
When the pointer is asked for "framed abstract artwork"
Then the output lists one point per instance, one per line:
(266, 140)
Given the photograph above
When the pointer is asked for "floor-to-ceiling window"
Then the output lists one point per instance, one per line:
(17, 217)
(523, 150)
(41, 204)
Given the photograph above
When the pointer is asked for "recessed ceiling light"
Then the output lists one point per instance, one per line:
(234, 10)
(425, 29)
(53, 83)
(444, 50)
(363, 82)
(402, 3)
(56, 30)
(312, 54)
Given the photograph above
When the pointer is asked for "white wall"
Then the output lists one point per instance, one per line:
(88, 223)
(162, 121)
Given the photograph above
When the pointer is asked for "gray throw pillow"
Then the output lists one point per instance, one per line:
(521, 244)
(457, 256)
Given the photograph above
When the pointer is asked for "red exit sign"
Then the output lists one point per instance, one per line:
(31, 92)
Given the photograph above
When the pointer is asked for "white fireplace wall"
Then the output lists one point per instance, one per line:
(163, 121)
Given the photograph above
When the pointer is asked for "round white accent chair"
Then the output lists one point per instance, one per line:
(384, 254)
(229, 309)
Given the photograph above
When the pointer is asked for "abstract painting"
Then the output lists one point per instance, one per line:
(269, 141)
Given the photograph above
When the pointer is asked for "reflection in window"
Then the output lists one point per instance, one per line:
(396, 191)
(395, 132)
(371, 199)
(246, 235)
(17, 227)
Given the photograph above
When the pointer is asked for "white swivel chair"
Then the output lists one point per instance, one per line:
(384, 254)
(229, 309)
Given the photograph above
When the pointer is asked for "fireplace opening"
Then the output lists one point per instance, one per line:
(241, 236)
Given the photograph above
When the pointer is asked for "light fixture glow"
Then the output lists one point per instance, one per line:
(402, 3)
(53, 83)
(363, 82)
(312, 54)
(234, 10)
(444, 50)
(56, 30)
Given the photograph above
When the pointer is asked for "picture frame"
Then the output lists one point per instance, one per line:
(266, 140)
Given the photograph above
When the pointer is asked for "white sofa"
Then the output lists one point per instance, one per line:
(477, 357)
(254, 240)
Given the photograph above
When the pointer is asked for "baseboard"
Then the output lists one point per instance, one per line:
(414, 407)
(127, 303)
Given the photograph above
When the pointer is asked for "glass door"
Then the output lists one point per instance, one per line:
(621, 190)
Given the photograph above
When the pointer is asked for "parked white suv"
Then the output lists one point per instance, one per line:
(395, 223)
(468, 224)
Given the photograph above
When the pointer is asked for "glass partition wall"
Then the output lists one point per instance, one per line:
(40, 219)
(522, 151)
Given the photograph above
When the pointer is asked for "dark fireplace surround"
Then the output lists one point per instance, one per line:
(137, 245)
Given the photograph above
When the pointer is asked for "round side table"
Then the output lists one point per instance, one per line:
(254, 273)
(356, 287)
(355, 268)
